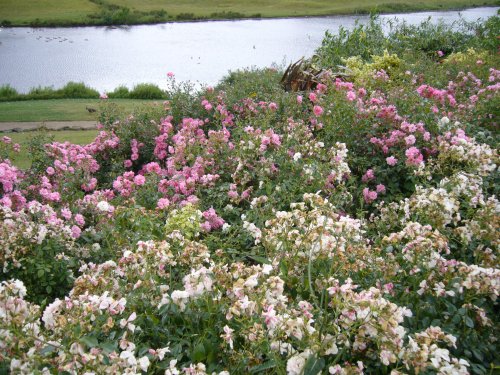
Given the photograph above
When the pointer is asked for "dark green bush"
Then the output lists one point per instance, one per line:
(7, 92)
(252, 82)
(121, 92)
(186, 16)
(227, 15)
(46, 276)
(78, 90)
(43, 93)
(147, 91)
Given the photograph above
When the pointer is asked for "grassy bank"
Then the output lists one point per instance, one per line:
(114, 12)
(60, 109)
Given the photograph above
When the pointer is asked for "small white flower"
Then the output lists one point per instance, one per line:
(144, 363)
(129, 357)
(103, 206)
(266, 269)
(296, 364)
(161, 353)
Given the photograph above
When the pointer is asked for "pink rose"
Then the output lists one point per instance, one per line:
(318, 111)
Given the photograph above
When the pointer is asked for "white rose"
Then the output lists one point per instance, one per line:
(103, 206)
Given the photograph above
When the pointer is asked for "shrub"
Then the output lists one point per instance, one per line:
(147, 91)
(43, 93)
(251, 82)
(7, 92)
(121, 92)
(74, 90)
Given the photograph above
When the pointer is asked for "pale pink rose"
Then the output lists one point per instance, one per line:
(391, 160)
(318, 110)
(163, 203)
(139, 180)
(75, 231)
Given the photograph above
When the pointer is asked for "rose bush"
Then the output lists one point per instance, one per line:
(352, 228)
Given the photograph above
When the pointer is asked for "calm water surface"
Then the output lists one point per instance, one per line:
(202, 52)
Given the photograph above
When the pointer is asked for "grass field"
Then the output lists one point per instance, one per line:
(279, 8)
(75, 12)
(21, 159)
(25, 11)
(58, 109)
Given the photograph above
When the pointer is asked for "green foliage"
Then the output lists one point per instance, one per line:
(252, 83)
(73, 90)
(121, 92)
(36, 150)
(42, 93)
(147, 91)
(426, 38)
(227, 15)
(76, 90)
(186, 220)
(46, 273)
(362, 40)
(7, 92)
(183, 100)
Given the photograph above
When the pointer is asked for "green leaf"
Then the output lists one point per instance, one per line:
(314, 365)
(47, 350)
(109, 347)
(90, 341)
(469, 322)
(40, 272)
(283, 268)
(259, 259)
(199, 353)
(211, 350)
(262, 367)
(478, 354)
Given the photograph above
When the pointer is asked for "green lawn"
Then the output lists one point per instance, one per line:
(22, 12)
(66, 12)
(21, 160)
(281, 8)
(58, 109)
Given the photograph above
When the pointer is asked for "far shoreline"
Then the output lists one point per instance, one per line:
(51, 25)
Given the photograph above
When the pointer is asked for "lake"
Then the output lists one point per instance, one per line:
(202, 52)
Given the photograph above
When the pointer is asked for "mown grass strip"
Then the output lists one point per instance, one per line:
(59, 109)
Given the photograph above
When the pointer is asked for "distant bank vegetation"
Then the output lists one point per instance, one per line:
(52, 13)
(78, 90)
